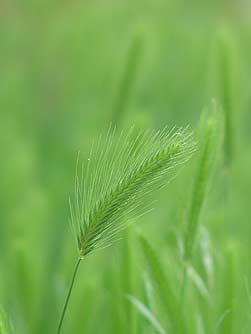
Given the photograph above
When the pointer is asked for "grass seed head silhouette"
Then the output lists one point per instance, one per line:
(115, 180)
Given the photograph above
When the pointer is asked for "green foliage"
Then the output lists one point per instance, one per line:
(227, 81)
(160, 279)
(147, 314)
(68, 70)
(127, 281)
(210, 141)
(127, 81)
(4, 323)
(228, 302)
(247, 321)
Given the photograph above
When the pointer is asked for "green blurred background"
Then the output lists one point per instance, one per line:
(68, 69)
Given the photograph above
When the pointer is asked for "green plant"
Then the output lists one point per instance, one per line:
(128, 79)
(160, 279)
(211, 138)
(5, 327)
(146, 313)
(210, 135)
(115, 181)
(227, 89)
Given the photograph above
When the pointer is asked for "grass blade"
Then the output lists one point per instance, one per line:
(210, 142)
(127, 81)
(5, 327)
(228, 288)
(227, 88)
(147, 314)
(220, 321)
(211, 139)
(160, 280)
(199, 283)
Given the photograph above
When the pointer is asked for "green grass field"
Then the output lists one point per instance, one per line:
(68, 71)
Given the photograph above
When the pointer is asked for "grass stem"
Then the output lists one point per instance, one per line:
(68, 295)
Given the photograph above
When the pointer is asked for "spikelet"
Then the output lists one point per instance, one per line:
(114, 181)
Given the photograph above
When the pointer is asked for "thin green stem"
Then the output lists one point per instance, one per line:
(182, 298)
(68, 295)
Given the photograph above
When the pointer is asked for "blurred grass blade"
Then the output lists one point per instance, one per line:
(228, 290)
(147, 314)
(207, 256)
(5, 327)
(248, 291)
(199, 324)
(210, 142)
(211, 133)
(160, 280)
(227, 80)
(128, 79)
(127, 282)
(220, 321)
(148, 291)
(199, 283)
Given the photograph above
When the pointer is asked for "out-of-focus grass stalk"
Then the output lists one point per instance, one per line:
(128, 78)
(146, 314)
(161, 281)
(247, 323)
(128, 283)
(227, 326)
(210, 138)
(228, 81)
(24, 285)
(5, 327)
(227, 94)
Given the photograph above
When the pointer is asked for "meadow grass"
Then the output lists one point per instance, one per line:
(114, 182)
(210, 141)
(166, 293)
(69, 69)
